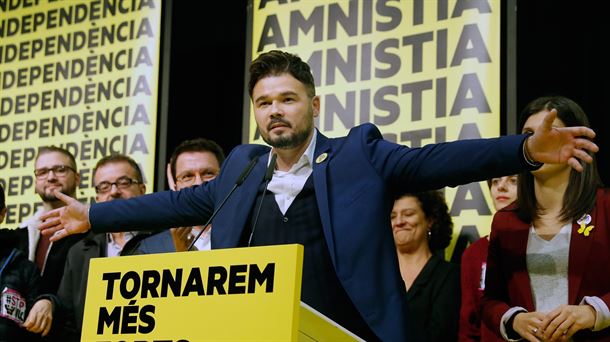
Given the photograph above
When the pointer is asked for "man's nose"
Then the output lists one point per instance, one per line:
(276, 109)
(51, 175)
(115, 191)
(198, 179)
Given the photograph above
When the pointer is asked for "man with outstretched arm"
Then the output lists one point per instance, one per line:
(331, 195)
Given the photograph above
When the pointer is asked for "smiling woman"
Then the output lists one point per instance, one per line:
(422, 228)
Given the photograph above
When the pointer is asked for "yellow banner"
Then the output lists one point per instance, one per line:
(241, 294)
(80, 74)
(422, 71)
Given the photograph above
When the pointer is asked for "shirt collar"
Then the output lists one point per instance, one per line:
(307, 157)
(128, 236)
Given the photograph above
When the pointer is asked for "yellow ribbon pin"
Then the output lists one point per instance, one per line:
(583, 222)
(584, 229)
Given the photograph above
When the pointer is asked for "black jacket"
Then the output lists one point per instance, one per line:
(73, 285)
(21, 275)
(434, 301)
(54, 265)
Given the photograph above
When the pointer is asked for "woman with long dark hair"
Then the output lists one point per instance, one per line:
(548, 268)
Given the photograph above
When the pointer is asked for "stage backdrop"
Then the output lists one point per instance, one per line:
(422, 71)
(80, 74)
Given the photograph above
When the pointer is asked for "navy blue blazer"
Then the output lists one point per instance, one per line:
(355, 187)
(161, 242)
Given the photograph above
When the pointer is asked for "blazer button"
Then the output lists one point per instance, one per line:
(285, 219)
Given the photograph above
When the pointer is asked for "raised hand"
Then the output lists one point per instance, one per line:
(568, 145)
(70, 219)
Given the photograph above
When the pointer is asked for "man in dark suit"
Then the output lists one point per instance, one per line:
(334, 196)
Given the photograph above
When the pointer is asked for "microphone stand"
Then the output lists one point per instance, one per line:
(268, 176)
(238, 182)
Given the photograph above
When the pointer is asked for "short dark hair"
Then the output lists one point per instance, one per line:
(117, 158)
(48, 149)
(435, 208)
(579, 197)
(196, 145)
(275, 63)
(2, 198)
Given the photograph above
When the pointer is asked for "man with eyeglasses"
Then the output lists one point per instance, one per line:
(55, 169)
(193, 162)
(115, 177)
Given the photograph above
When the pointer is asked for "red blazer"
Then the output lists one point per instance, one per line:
(474, 259)
(508, 283)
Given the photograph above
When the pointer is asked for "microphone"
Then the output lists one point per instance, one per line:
(242, 177)
(268, 176)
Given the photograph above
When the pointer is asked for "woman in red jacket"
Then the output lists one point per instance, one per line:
(549, 256)
(473, 268)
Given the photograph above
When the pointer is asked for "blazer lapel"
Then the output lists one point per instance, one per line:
(322, 157)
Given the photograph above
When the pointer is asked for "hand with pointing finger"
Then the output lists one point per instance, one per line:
(70, 219)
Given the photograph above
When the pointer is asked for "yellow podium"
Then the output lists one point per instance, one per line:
(239, 294)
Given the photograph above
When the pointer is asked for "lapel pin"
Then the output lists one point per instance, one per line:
(321, 157)
(586, 219)
(583, 222)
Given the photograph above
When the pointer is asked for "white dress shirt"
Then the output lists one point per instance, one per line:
(204, 243)
(286, 185)
(114, 249)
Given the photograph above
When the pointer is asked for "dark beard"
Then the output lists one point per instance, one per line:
(48, 197)
(289, 141)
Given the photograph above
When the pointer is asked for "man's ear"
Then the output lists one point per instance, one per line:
(170, 177)
(315, 102)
